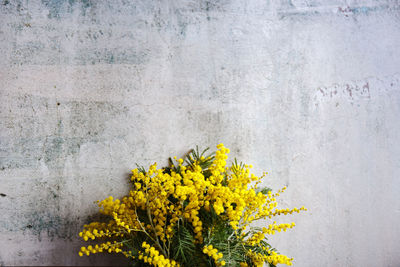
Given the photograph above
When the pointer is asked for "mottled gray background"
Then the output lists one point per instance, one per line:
(307, 90)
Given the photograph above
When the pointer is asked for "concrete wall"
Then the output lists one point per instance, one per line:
(307, 90)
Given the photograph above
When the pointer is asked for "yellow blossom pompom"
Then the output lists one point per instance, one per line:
(199, 210)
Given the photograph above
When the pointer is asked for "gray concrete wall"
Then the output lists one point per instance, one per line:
(307, 90)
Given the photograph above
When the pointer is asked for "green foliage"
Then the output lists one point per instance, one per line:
(183, 248)
(195, 157)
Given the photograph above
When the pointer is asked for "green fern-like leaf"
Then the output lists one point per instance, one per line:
(183, 247)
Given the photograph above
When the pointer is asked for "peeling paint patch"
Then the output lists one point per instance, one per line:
(354, 92)
(309, 10)
(361, 10)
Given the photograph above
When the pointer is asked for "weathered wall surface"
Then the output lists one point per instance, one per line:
(307, 90)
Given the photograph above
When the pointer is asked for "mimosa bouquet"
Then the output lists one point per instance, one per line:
(196, 212)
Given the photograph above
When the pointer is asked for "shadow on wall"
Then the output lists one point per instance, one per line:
(73, 246)
(104, 258)
(57, 234)
(64, 243)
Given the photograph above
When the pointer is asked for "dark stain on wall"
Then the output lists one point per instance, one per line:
(53, 148)
(51, 225)
(45, 214)
(71, 124)
(41, 134)
(58, 7)
(55, 41)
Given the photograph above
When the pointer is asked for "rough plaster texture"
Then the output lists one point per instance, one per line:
(307, 90)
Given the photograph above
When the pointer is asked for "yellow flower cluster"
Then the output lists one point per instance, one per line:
(257, 237)
(258, 259)
(98, 230)
(272, 228)
(213, 253)
(106, 247)
(160, 200)
(286, 211)
(153, 257)
(276, 258)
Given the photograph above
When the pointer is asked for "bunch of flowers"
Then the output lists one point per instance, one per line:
(196, 212)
